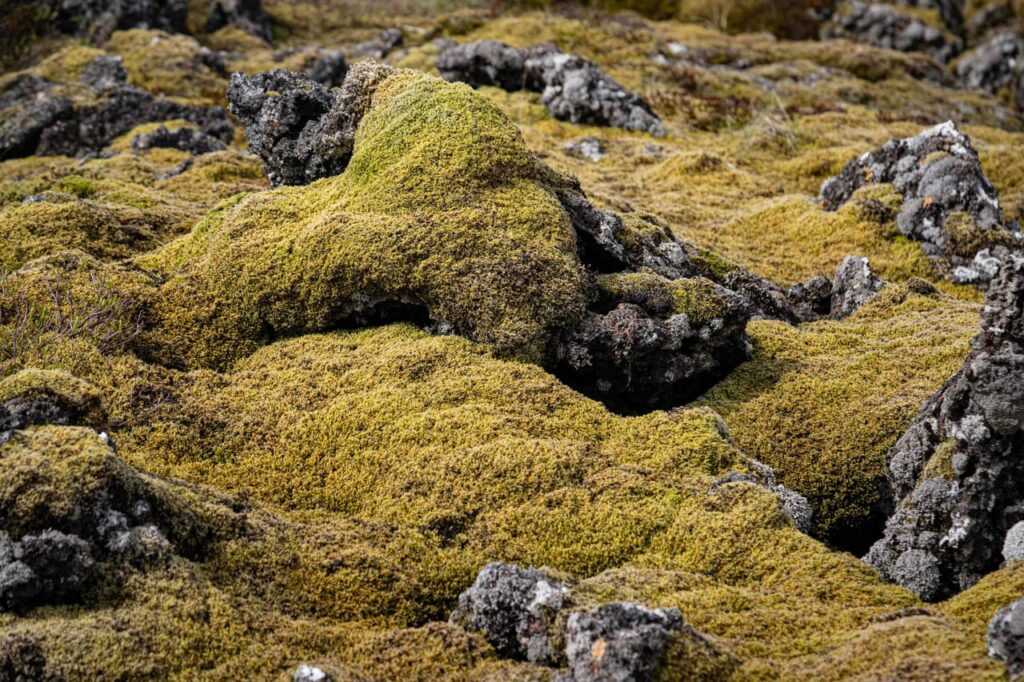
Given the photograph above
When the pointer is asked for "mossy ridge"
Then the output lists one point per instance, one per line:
(442, 206)
(823, 403)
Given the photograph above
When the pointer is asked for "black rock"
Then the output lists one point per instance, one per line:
(1006, 638)
(515, 610)
(948, 203)
(854, 285)
(619, 641)
(811, 299)
(97, 19)
(326, 67)
(247, 15)
(572, 88)
(36, 117)
(380, 47)
(884, 26)
(49, 568)
(186, 139)
(305, 131)
(958, 471)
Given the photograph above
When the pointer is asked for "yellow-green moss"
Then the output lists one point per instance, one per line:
(940, 464)
(697, 298)
(168, 65)
(824, 402)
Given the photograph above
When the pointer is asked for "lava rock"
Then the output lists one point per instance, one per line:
(37, 118)
(950, 11)
(854, 285)
(572, 88)
(619, 641)
(884, 26)
(326, 67)
(311, 673)
(1013, 543)
(958, 472)
(305, 131)
(811, 299)
(247, 15)
(186, 139)
(589, 148)
(515, 609)
(380, 47)
(104, 73)
(97, 19)
(1006, 638)
(49, 568)
(990, 16)
(948, 203)
(995, 64)
(22, 660)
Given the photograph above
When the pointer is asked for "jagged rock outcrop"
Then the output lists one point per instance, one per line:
(247, 15)
(1006, 638)
(996, 64)
(884, 26)
(958, 471)
(97, 19)
(304, 131)
(186, 139)
(516, 610)
(43, 118)
(527, 615)
(948, 203)
(619, 641)
(573, 89)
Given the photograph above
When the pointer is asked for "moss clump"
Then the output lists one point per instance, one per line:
(442, 206)
(940, 464)
(823, 403)
(697, 298)
(168, 65)
(75, 397)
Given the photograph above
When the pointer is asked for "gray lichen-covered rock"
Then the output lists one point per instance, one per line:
(589, 148)
(948, 203)
(958, 471)
(572, 88)
(1006, 638)
(302, 130)
(854, 285)
(105, 72)
(43, 118)
(247, 15)
(186, 139)
(1013, 543)
(515, 609)
(884, 26)
(48, 568)
(995, 64)
(619, 641)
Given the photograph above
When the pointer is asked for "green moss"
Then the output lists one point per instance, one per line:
(168, 65)
(77, 395)
(442, 205)
(822, 404)
(697, 298)
(940, 464)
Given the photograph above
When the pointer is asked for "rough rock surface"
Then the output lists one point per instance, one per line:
(854, 285)
(304, 131)
(948, 203)
(1006, 638)
(98, 18)
(619, 641)
(884, 26)
(515, 609)
(589, 148)
(995, 64)
(327, 67)
(958, 472)
(186, 139)
(386, 41)
(49, 568)
(247, 15)
(36, 117)
(573, 89)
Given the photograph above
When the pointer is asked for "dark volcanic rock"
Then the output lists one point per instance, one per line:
(811, 299)
(948, 203)
(1006, 638)
(515, 609)
(855, 284)
(37, 117)
(573, 89)
(304, 131)
(884, 26)
(619, 641)
(49, 568)
(958, 471)
(97, 19)
(378, 48)
(995, 64)
(326, 67)
(186, 139)
(247, 15)
(22, 660)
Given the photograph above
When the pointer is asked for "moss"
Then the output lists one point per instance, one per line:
(168, 64)
(697, 298)
(824, 403)
(940, 464)
(791, 20)
(442, 205)
(73, 394)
